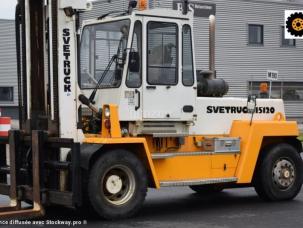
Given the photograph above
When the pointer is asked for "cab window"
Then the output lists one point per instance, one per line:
(101, 54)
(162, 53)
(134, 75)
(187, 58)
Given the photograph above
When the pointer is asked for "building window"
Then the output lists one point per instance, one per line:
(6, 94)
(286, 42)
(255, 34)
(288, 91)
(293, 91)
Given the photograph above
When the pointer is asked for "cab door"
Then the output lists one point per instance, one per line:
(166, 95)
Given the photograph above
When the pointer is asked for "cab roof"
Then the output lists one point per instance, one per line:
(164, 13)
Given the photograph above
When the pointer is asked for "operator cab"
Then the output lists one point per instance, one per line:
(143, 62)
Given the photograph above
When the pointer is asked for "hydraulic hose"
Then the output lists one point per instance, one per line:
(18, 22)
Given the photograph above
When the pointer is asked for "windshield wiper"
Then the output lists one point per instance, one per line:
(93, 95)
(121, 13)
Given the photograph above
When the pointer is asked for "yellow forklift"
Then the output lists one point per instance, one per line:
(113, 106)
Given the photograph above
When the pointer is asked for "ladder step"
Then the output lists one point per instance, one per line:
(169, 135)
(179, 183)
(58, 165)
(5, 170)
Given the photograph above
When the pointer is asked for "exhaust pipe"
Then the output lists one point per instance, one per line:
(212, 46)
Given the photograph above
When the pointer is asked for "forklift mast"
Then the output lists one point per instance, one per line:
(30, 37)
(46, 35)
(46, 38)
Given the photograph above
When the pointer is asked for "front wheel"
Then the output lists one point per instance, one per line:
(117, 185)
(280, 174)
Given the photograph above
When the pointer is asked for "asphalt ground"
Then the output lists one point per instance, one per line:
(181, 207)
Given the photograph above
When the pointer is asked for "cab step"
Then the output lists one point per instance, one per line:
(180, 183)
(157, 156)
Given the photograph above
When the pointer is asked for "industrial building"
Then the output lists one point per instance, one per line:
(249, 42)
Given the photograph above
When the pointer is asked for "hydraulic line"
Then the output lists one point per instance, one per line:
(21, 60)
(18, 52)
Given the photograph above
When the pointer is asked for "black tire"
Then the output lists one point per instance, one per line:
(279, 174)
(207, 189)
(117, 169)
(86, 209)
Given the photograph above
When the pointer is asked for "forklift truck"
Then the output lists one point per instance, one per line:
(114, 106)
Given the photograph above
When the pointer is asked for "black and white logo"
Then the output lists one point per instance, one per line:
(294, 24)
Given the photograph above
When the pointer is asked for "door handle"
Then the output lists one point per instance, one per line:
(139, 100)
(151, 87)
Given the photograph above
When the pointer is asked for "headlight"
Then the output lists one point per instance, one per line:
(106, 112)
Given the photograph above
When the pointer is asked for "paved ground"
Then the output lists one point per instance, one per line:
(180, 207)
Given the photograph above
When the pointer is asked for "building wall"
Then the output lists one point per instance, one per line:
(8, 66)
(238, 62)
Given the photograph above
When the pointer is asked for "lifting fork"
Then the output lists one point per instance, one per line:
(14, 209)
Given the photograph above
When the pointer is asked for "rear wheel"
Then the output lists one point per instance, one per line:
(280, 174)
(117, 185)
(207, 189)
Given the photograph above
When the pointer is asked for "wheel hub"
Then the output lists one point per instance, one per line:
(118, 185)
(114, 184)
(284, 174)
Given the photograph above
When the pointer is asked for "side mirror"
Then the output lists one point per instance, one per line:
(251, 103)
(121, 57)
(124, 56)
(134, 62)
(118, 75)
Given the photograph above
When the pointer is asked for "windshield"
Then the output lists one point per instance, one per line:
(100, 44)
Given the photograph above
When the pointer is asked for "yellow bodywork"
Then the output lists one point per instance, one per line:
(251, 141)
(207, 166)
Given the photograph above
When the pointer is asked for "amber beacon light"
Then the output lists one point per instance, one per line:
(142, 4)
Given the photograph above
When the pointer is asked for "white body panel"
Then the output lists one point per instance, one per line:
(67, 49)
(215, 115)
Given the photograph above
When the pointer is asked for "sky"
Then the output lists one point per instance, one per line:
(7, 9)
